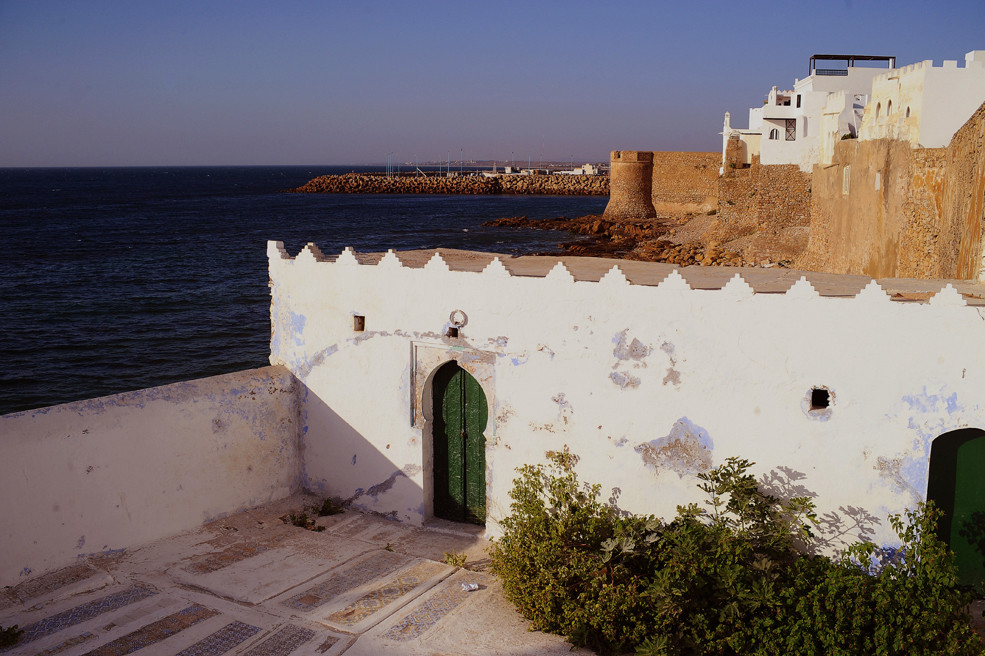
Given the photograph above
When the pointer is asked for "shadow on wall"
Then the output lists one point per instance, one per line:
(346, 466)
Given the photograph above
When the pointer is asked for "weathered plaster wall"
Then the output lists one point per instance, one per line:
(118, 471)
(885, 209)
(649, 385)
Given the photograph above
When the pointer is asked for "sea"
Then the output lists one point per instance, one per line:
(117, 279)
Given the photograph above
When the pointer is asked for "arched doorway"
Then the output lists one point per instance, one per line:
(459, 447)
(956, 486)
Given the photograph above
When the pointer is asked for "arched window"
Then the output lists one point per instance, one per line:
(907, 112)
(878, 109)
(774, 134)
(889, 108)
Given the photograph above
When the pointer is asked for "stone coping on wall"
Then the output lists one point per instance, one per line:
(591, 269)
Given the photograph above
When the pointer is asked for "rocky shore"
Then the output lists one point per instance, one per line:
(552, 185)
(653, 240)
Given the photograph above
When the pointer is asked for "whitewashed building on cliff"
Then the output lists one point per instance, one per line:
(788, 127)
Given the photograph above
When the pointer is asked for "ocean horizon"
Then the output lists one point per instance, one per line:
(123, 278)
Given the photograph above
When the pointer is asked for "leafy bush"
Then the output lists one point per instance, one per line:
(729, 579)
(10, 635)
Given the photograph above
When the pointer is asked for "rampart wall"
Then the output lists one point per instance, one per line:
(685, 182)
(111, 473)
(650, 381)
(768, 207)
(884, 209)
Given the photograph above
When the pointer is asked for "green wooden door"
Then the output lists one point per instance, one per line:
(459, 446)
(957, 486)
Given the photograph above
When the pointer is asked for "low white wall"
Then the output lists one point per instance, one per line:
(115, 472)
(648, 385)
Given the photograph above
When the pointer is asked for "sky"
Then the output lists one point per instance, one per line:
(214, 82)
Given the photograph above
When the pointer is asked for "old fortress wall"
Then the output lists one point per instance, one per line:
(882, 207)
(885, 209)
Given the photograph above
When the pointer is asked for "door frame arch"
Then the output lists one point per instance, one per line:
(426, 360)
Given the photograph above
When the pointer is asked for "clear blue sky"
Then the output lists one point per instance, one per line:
(142, 82)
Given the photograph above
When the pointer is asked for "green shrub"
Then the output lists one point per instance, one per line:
(729, 579)
(10, 635)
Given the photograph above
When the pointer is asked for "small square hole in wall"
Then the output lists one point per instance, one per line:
(358, 323)
(452, 331)
(820, 399)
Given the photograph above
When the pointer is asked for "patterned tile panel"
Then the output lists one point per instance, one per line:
(360, 574)
(283, 642)
(222, 640)
(155, 631)
(67, 644)
(427, 614)
(327, 644)
(392, 590)
(226, 557)
(82, 613)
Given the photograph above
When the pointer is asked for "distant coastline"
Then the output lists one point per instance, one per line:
(546, 185)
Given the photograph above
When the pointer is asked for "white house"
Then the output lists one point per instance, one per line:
(789, 126)
(925, 104)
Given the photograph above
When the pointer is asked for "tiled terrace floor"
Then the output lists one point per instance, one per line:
(251, 584)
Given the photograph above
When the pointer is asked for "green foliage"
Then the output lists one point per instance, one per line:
(330, 506)
(727, 579)
(301, 520)
(455, 559)
(9, 636)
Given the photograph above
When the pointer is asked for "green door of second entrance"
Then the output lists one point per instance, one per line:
(956, 486)
(460, 416)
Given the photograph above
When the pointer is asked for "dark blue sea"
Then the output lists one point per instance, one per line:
(115, 279)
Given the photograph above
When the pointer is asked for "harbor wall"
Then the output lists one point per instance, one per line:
(102, 475)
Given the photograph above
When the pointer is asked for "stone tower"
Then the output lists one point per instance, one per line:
(630, 185)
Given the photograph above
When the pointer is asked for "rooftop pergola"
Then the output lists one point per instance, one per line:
(850, 60)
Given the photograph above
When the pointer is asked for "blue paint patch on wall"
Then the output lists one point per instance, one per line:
(686, 450)
(517, 361)
(298, 322)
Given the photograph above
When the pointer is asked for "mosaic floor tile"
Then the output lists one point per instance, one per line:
(392, 590)
(353, 577)
(427, 614)
(67, 644)
(283, 642)
(52, 581)
(83, 612)
(327, 644)
(222, 640)
(228, 556)
(155, 631)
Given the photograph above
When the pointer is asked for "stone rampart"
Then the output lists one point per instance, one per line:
(630, 185)
(685, 182)
(885, 209)
(767, 205)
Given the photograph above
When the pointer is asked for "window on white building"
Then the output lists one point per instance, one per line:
(774, 134)
(889, 108)
(878, 109)
(791, 129)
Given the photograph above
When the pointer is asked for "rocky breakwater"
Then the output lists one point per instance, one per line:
(546, 185)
